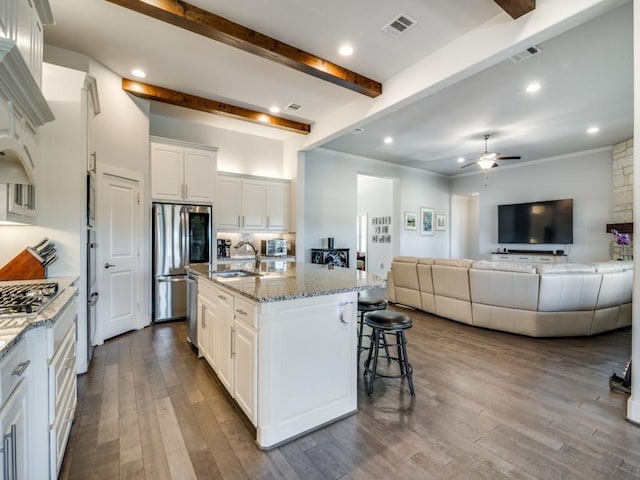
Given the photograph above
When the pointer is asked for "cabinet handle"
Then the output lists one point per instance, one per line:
(342, 312)
(186, 191)
(238, 221)
(233, 350)
(71, 412)
(21, 368)
(204, 324)
(241, 312)
(267, 222)
(222, 297)
(69, 363)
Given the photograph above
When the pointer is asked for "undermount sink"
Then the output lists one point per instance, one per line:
(235, 274)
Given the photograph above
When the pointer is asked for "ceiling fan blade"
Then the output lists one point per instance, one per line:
(509, 158)
(468, 165)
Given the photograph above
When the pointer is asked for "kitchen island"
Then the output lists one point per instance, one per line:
(283, 342)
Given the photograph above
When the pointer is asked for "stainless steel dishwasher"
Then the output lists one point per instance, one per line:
(192, 309)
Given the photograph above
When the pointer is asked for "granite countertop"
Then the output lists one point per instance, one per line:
(12, 329)
(285, 280)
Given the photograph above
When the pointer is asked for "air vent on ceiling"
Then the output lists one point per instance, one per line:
(293, 107)
(399, 25)
(527, 53)
(357, 131)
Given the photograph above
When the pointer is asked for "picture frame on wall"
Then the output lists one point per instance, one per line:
(410, 221)
(441, 222)
(426, 221)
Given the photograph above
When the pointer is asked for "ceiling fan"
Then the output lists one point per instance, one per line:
(487, 159)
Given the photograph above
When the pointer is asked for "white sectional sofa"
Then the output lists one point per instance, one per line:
(540, 301)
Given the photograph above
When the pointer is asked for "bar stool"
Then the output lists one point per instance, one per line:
(388, 322)
(366, 304)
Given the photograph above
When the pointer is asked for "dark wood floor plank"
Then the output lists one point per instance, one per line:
(489, 405)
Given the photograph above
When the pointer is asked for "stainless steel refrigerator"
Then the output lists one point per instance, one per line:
(181, 235)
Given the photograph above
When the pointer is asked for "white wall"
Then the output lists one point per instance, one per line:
(330, 198)
(238, 152)
(586, 177)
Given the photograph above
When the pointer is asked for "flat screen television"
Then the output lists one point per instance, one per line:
(536, 222)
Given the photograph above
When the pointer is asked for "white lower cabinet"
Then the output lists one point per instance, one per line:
(229, 343)
(52, 392)
(14, 371)
(289, 365)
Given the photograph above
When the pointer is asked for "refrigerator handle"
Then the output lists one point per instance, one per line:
(184, 236)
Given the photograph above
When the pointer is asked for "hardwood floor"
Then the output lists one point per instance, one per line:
(488, 405)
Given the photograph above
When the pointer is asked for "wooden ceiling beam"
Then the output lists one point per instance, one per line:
(516, 8)
(202, 22)
(181, 99)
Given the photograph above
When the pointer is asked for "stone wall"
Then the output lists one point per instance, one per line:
(622, 191)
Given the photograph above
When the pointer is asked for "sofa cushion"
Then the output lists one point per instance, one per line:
(568, 291)
(504, 288)
(566, 268)
(405, 281)
(504, 266)
(454, 262)
(615, 289)
(451, 281)
(612, 266)
(426, 261)
(405, 259)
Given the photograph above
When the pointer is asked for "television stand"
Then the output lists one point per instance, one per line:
(529, 256)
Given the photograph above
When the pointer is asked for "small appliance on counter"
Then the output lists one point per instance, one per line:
(224, 248)
(274, 248)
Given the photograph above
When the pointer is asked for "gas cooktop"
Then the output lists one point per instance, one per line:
(26, 298)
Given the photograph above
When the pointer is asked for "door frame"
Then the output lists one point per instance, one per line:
(143, 262)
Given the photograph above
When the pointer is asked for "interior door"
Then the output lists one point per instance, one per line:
(119, 230)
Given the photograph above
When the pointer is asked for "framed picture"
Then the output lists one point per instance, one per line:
(410, 221)
(426, 221)
(441, 222)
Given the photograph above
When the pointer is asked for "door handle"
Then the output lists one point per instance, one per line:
(108, 265)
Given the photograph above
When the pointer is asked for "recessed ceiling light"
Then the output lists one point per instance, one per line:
(136, 72)
(533, 87)
(460, 159)
(274, 109)
(345, 50)
(263, 118)
(593, 130)
(388, 140)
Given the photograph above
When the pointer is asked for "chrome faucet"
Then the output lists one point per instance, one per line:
(255, 252)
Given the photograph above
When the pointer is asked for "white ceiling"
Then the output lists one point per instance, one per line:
(585, 73)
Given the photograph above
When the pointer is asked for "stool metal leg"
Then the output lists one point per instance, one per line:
(375, 336)
(399, 336)
(407, 366)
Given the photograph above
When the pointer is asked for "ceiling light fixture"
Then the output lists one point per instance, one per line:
(136, 72)
(388, 140)
(274, 109)
(460, 159)
(533, 87)
(486, 164)
(592, 130)
(346, 50)
(263, 118)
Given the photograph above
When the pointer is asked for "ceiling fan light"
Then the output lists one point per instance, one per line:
(485, 163)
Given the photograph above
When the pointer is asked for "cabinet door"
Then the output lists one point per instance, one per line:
(199, 168)
(167, 170)
(228, 201)
(254, 212)
(13, 426)
(277, 206)
(245, 369)
(224, 339)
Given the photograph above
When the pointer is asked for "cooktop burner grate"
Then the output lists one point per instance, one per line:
(26, 298)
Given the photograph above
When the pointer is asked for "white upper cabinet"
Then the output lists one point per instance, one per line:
(252, 204)
(23, 107)
(277, 204)
(182, 173)
(228, 203)
(254, 212)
